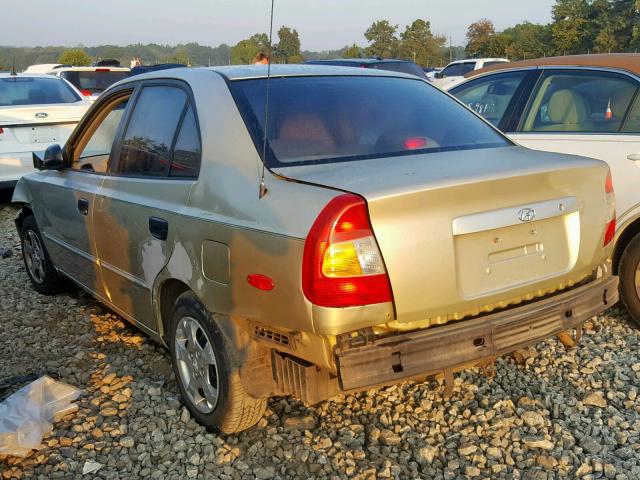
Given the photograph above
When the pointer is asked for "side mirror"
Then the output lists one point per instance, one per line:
(439, 75)
(53, 159)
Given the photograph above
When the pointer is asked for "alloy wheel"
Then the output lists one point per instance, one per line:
(196, 364)
(34, 256)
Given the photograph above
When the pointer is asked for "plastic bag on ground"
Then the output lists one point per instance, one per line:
(27, 415)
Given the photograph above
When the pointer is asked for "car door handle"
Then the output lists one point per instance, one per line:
(158, 227)
(634, 157)
(83, 206)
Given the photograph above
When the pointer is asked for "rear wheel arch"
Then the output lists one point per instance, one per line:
(627, 235)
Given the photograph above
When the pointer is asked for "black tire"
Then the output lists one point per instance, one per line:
(45, 279)
(235, 410)
(629, 263)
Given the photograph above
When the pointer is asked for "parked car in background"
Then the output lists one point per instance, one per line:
(35, 111)
(392, 65)
(584, 105)
(43, 67)
(455, 71)
(382, 244)
(92, 81)
(154, 68)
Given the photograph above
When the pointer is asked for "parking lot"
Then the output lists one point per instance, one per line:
(546, 413)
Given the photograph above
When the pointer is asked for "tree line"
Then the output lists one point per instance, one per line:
(577, 26)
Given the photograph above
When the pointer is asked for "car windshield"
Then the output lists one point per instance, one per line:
(94, 81)
(342, 118)
(17, 90)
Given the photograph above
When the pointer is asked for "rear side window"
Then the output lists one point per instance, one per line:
(490, 96)
(579, 101)
(19, 91)
(468, 67)
(453, 70)
(343, 118)
(148, 140)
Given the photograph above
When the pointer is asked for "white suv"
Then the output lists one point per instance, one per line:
(455, 71)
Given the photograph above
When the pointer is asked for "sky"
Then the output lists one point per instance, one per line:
(322, 25)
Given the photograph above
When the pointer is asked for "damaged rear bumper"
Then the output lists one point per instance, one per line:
(450, 347)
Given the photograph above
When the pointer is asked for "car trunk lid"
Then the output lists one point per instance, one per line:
(40, 124)
(466, 232)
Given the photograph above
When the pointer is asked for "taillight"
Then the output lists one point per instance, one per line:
(413, 143)
(610, 230)
(103, 69)
(85, 92)
(342, 265)
(1, 130)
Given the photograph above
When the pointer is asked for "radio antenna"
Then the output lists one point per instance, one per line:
(263, 188)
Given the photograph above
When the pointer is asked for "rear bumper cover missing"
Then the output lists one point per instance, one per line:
(435, 350)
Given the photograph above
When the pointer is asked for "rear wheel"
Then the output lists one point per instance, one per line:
(41, 272)
(629, 272)
(208, 380)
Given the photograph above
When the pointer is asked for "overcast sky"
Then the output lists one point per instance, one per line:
(322, 25)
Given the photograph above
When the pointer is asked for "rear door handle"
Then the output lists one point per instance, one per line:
(158, 227)
(634, 157)
(83, 206)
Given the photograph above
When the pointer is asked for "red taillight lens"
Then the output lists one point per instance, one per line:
(610, 231)
(103, 69)
(85, 93)
(342, 265)
(1, 130)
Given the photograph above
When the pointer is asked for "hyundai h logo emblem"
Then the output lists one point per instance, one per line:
(41, 115)
(526, 214)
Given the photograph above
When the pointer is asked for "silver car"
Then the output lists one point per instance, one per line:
(315, 232)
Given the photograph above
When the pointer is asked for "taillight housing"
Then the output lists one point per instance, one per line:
(342, 265)
(610, 230)
(85, 92)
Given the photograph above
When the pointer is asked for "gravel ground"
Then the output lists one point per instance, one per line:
(546, 413)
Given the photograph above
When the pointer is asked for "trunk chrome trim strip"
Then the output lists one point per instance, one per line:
(506, 217)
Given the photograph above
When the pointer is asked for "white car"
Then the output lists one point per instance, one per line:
(35, 111)
(454, 72)
(581, 105)
(91, 81)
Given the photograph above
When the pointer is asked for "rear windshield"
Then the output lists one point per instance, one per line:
(402, 67)
(35, 91)
(343, 118)
(95, 82)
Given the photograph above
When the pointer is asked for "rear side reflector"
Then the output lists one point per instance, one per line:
(261, 282)
(342, 264)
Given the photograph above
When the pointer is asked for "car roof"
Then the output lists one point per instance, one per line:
(360, 60)
(487, 59)
(622, 61)
(243, 72)
(29, 75)
(91, 69)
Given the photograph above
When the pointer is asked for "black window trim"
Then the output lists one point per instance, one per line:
(190, 101)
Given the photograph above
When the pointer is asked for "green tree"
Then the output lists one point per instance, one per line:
(245, 51)
(288, 48)
(478, 35)
(75, 57)
(382, 38)
(570, 26)
(498, 46)
(528, 40)
(418, 44)
(353, 51)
